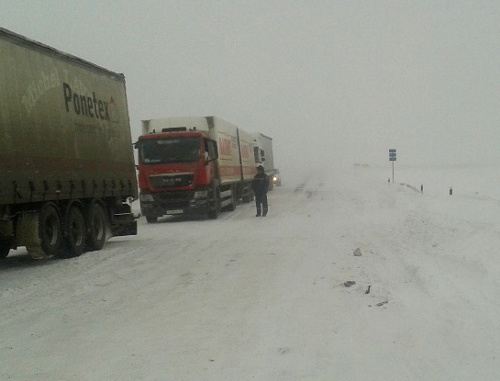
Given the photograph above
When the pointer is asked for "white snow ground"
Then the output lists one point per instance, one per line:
(245, 298)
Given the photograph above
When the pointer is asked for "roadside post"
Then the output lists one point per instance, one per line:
(392, 159)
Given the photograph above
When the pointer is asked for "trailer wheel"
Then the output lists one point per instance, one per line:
(50, 230)
(4, 247)
(97, 227)
(74, 226)
(232, 206)
(248, 197)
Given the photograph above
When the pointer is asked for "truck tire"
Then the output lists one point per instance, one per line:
(248, 197)
(214, 206)
(4, 248)
(74, 226)
(50, 229)
(232, 206)
(97, 227)
(152, 219)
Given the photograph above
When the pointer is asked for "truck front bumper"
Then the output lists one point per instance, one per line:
(172, 203)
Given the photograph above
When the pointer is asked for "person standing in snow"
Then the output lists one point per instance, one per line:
(260, 186)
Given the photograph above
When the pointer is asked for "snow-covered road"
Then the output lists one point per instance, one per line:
(245, 298)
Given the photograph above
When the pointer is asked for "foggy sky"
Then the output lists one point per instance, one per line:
(330, 81)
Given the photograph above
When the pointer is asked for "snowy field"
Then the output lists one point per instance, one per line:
(277, 298)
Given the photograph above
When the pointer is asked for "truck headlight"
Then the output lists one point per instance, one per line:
(200, 194)
(147, 197)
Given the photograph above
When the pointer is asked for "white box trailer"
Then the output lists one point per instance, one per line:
(247, 159)
(263, 154)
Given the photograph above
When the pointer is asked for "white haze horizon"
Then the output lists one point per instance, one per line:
(332, 82)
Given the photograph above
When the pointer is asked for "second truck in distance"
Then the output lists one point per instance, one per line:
(194, 165)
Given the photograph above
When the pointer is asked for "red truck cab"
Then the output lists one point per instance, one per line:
(176, 173)
(193, 165)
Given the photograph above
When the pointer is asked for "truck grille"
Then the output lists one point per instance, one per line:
(174, 200)
(172, 180)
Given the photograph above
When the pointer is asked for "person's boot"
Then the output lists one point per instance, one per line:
(258, 213)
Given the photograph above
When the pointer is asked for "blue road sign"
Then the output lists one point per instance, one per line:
(392, 154)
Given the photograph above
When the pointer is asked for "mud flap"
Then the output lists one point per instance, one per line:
(123, 230)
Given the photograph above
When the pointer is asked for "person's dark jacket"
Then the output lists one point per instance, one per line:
(260, 183)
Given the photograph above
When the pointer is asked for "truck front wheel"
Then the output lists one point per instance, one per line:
(151, 219)
(214, 205)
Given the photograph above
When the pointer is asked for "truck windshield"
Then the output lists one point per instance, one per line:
(170, 150)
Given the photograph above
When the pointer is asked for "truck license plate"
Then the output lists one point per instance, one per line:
(175, 211)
